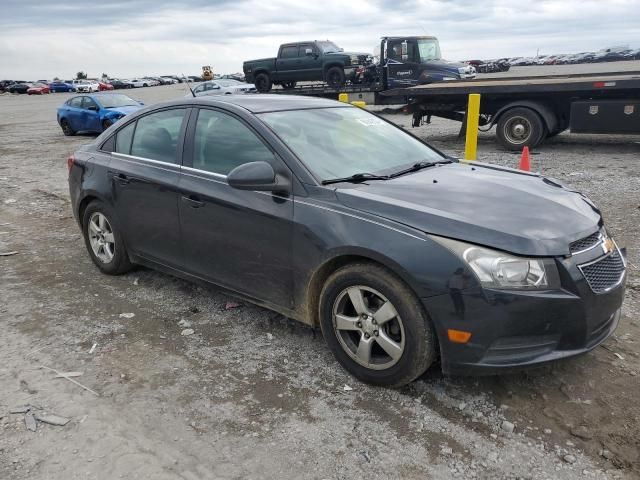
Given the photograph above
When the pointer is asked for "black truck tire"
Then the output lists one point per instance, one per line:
(335, 77)
(263, 82)
(520, 127)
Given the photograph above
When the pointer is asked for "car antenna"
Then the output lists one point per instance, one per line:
(189, 85)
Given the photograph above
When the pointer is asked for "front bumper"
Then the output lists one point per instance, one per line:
(516, 329)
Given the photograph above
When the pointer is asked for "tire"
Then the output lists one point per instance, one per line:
(335, 77)
(106, 123)
(145, 85)
(519, 127)
(66, 128)
(263, 82)
(103, 239)
(288, 85)
(414, 342)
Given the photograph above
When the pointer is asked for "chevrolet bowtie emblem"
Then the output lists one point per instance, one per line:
(607, 245)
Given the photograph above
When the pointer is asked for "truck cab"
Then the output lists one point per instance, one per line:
(409, 61)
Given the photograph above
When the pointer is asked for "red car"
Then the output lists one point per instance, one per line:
(104, 86)
(38, 89)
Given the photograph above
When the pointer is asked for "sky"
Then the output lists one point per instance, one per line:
(44, 39)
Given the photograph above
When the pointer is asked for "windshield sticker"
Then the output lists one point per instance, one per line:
(370, 122)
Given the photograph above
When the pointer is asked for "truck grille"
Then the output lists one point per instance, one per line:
(605, 273)
(585, 243)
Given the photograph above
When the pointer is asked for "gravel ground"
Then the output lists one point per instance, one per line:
(253, 395)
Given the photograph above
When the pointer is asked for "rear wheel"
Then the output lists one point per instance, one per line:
(103, 239)
(335, 77)
(288, 85)
(519, 127)
(66, 128)
(375, 325)
(263, 82)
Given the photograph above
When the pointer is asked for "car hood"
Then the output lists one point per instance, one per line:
(445, 65)
(501, 208)
(125, 110)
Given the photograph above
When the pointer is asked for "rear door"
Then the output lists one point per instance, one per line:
(235, 238)
(288, 63)
(144, 171)
(74, 113)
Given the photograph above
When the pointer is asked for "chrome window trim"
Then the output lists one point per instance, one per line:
(154, 163)
(218, 176)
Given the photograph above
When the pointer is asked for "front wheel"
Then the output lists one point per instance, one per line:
(376, 326)
(106, 123)
(104, 240)
(335, 77)
(263, 82)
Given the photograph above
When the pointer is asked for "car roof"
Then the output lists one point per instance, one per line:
(257, 103)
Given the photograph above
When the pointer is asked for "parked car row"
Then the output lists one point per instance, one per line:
(612, 54)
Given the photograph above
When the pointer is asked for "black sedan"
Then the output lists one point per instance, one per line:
(19, 87)
(337, 218)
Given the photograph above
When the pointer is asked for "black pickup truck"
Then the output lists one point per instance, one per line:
(304, 61)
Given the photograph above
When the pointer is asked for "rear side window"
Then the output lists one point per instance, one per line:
(123, 138)
(76, 102)
(156, 136)
(289, 52)
(223, 142)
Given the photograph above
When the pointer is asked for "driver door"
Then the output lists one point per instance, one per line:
(90, 115)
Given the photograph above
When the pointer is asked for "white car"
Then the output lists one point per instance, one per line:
(138, 82)
(170, 80)
(86, 86)
(223, 86)
(152, 82)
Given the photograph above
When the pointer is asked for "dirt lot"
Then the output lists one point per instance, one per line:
(253, 395)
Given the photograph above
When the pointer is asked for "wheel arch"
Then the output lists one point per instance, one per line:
(331, 65)
(341, 259)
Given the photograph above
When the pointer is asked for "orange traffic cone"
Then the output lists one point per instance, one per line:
(525, 161)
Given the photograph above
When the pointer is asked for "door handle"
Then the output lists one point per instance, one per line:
(193, 201)
(120, 178)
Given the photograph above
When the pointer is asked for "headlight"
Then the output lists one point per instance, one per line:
(496, 269)
(354, 59)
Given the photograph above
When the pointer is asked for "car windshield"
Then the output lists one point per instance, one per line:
(343, 141)
(429, 49)
(116, 100)
(328, 47)
(227, 82)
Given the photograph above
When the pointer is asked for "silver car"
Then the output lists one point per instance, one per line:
(222, 86)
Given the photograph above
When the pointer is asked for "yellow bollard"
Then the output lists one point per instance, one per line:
(343, 97)
(473, 117)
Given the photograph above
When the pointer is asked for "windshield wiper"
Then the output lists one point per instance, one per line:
(417, 166)
(356, 177)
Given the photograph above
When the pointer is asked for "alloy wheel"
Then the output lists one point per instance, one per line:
(101, 237)
(368, 327)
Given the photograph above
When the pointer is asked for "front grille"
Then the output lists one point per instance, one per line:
(604, 274)
(585, 243)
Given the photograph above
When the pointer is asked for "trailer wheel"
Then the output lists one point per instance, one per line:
(288, 85)
(263, 82)
(519, 127)
(335, 77)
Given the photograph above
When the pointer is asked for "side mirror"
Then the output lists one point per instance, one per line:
(253, 176)
(93, 108)
(308, 51)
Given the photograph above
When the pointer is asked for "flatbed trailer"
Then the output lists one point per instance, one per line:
(527, 110)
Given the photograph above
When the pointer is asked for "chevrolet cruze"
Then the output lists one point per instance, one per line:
(337, 218)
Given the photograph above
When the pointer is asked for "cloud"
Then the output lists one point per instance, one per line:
(128, 38)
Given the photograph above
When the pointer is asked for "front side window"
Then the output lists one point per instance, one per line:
(87, 103)
(156, 135)
(223, 142)
(339, 142)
